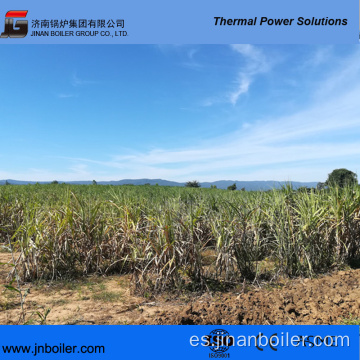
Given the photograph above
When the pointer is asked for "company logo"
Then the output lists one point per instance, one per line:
(21, 26)
(219, 341)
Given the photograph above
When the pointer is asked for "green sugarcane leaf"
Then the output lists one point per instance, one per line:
(12, 288)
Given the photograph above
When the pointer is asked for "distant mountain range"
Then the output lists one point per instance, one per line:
(221, 184)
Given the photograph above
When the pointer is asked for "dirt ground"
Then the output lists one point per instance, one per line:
(107, 300)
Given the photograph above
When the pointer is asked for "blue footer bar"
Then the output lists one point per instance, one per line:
(180, 342)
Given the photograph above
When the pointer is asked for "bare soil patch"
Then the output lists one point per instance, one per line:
(108, 300)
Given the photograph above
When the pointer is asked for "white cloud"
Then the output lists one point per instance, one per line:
(343, 77)
(255, 63)
(252, 63)
(243, 84)
(76, 81)
(67, 96)
(318, 57)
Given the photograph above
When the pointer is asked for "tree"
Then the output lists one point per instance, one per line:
(213, 187)
(193, 184)
(55, 182)
(94, 182)
(232, 187)
(7, 183)
(341, 178)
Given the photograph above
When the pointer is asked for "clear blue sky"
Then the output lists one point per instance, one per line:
(179, 112)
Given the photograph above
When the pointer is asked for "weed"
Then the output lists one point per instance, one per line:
(107, 296)
(60, 302)
(351, 320)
